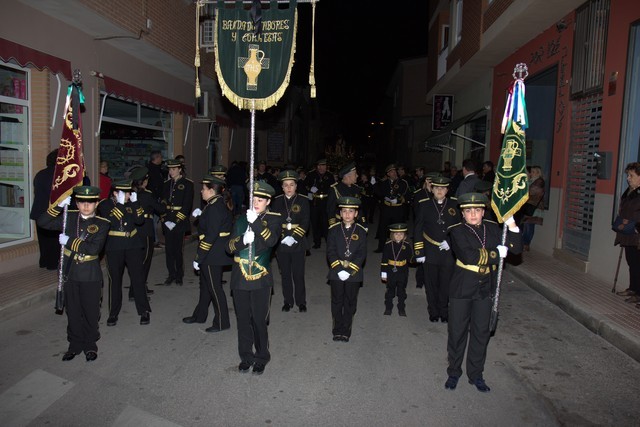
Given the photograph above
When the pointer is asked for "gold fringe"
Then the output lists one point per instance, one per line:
(199, 5)
(260, 103)
(511, 211)
(312, 75)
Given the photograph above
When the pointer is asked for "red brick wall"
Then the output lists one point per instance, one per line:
(470, 41)
(493, 12)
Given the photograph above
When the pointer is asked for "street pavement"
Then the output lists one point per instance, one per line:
(543, 367)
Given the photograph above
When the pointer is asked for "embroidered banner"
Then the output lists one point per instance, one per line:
(254, 52)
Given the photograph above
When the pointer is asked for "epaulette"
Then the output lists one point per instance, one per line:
(273, 213)
(335, 183)
(104, 219)
(167, 180)
(305, 196)
(147, 191)
(453, 198)
(424, 200)
(189, 180)
(490, 221)
(361, 226)
(279, 196)
(73, 210)
(417, 191)
(454, 225)
(334, 224)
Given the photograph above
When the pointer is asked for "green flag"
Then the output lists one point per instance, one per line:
(254, 63)
(511, 187)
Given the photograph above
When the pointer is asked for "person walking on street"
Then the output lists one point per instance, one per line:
(294, 208)
(47, 239)
(477, 246)
(84, 238)
(254, 236)
(393, 192)
(214, 228)
(394, 268)
(319, 182)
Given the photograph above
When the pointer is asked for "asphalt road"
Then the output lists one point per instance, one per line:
(543, 367)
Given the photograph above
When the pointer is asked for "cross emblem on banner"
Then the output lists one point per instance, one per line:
(253, 65)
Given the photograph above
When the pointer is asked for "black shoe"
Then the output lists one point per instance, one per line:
(377, 251)
(223, 282)
(387, 312)
(480, 385)
(307, 253)
(91, 356)
(302, 308)
(286, 307)
(216, 329)
(337, 337)
(401, 312)
(344, 338)
(179, 282)
(69, 355)
(258, 369)
(145, 318)
(433, 318)
(316, 246)
(168, 281)
(112, 320)
(419, 285)
(189, 319)
(244, 367)
(452, 383)
(149, 291)
(444, 319)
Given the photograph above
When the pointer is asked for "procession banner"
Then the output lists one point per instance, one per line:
(254, 57)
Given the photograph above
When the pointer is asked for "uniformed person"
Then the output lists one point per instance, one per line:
(394, 267)
(477, 246)
(392, 192)
(84, 238)
(346, 254)
(253, 237)
(265, 176)
(346, 187)
(484, 187)
(294, 208)
(214, 228)
(318, 182)
(434, 215)
(124, 247)
(177, 195)
(151, 206)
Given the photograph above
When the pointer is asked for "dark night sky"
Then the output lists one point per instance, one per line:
(358, 46)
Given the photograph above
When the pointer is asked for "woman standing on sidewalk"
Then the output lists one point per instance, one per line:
(630, 239)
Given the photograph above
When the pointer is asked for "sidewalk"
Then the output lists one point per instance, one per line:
(587, 299)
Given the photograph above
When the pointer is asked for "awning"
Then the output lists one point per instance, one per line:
(135, 94)
(442, 137)
(26, 56)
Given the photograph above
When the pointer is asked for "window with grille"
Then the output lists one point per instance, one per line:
(589, 47)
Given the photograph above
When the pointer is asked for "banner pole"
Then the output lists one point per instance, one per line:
(251, 163)
(60, 291)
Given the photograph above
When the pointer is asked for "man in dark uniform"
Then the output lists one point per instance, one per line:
(319, 182)
(177, 195)
(345, 188)
(254, 235)
(346, 254)
(294, 208)
(434, 215)
(84, 238)
(124, 247)
(218, 171)
(392, 191)
(265, 176)
(477, 246)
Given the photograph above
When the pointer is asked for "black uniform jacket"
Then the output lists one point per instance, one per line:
(391, 190)
(86, 240)
(297, 215)
(340, 189)
(397, 255)
(251, 274)
(178, 197)
(321, 182)
(339, 259)
(124, 220)
(214, 230)
(428, 234)
(150, 206)
(475, 271)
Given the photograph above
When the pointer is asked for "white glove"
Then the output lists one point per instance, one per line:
(63, 239)
(134, 197)
(383, 276)
(65, 202)
(373, 180)
(343, 275)
(314, 189)
(196, 266)
(196, 213)
(503, 251)
(421, 260)
(251, 215)
(509, 221)
(289, 241)
(444, 246)
(248, 237)
(170, 225)
(120, 197)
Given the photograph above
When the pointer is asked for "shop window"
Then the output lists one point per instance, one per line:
(15, 183)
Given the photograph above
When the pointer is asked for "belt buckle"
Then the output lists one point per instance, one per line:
(344, 263)
(79, 258)
(483, 270)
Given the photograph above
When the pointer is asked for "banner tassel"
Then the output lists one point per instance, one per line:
(197, 60)
(312, 76)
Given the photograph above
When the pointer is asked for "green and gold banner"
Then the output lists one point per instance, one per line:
(254, 57)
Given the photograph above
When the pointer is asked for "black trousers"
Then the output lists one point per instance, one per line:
(49, 248)
(468, 320)
(388, 215)
(344, 302)
(116, 262)
(292, 269)
(632, 255)
(420, 276)
(147, 256)
(252, 312)
(319, 220)
(174, 244)
(82, 304)
(436, 280)
(212, 292)
(395, 288)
